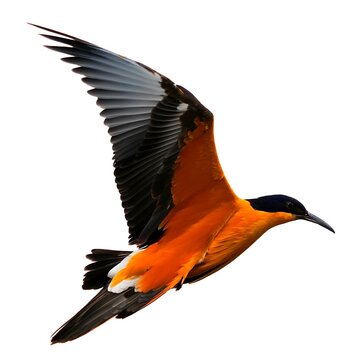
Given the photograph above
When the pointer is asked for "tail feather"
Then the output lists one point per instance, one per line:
(102, 262)
(101, 308)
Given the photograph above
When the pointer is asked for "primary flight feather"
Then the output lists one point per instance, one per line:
(181, 212)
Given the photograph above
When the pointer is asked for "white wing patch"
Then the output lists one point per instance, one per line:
(121, 265)
(123, 285)
(182, 107)
(127, 283)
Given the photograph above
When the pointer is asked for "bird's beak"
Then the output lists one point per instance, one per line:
(316, 220)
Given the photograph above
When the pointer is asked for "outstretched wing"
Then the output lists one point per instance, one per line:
(161, 134)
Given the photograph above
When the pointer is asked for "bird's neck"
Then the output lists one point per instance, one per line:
(258, 220)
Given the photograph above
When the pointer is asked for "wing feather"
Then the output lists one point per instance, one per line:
(149, 119)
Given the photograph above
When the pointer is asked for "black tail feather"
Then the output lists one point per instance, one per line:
(101, 308)
(102, 262)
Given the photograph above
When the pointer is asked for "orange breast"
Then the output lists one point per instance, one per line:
(239, 233)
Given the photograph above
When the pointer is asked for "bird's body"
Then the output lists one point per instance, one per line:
(181, 212)
(220, 230)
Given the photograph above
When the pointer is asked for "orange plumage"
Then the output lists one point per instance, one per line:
(180, 209)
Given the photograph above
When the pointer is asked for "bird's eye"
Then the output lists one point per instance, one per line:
(290, 205)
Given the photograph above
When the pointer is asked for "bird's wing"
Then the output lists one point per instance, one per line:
(162, 135)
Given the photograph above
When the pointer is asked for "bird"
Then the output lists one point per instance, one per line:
(182, 215)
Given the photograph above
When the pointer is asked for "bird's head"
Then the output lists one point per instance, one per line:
(289, 205)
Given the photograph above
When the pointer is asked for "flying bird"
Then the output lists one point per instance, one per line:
(182, 215)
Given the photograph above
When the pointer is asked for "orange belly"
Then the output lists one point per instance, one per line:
(239, 233)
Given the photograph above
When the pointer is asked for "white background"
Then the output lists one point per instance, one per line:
(283, 80)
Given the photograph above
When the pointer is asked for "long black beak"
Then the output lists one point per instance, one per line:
(313, 218)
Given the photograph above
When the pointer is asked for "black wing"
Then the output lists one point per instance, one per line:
(148, 117)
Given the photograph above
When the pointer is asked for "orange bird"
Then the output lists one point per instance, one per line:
(182, 214)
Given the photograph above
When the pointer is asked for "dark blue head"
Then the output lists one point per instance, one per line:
(287, 204)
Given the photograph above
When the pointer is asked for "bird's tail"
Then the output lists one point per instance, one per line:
(105, 304)
(101, 308)
(103, 261)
